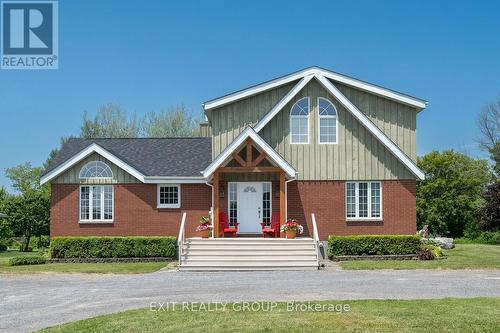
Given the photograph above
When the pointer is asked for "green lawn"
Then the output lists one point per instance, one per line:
(117, 268)
(463, 256)
(446, 315)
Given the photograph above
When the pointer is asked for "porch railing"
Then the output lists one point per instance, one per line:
(180, 238)
(317, 243)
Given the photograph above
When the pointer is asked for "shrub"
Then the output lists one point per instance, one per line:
(436, 250)
(27, 260)
(3, 247)
(472, 230)
(13, 244)
(373, 245)
(489, 237)
(21, 248)
(112, 247)
(41, 242)
(486, 237)
(426, 253)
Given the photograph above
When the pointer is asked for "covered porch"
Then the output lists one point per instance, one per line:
(248, 182)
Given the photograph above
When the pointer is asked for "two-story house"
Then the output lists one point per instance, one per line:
(313, 141)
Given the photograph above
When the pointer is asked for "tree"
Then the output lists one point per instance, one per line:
(450, 196)
(489, 126)
(110, 122)
(28, 210)
(4, 226)
(29, 215)
(495, 156)
(171, 122)
(25, 178)
(53, 153)
(489, 215)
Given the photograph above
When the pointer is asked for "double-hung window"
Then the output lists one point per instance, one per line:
(299, 121)
(169, 196)
(96, 203)
(363, 201)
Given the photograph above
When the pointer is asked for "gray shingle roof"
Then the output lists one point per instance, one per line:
(167, 157)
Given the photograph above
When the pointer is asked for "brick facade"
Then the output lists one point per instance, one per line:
(326, 199)
(136, 212)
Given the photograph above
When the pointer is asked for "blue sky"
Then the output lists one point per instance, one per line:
(149, 55)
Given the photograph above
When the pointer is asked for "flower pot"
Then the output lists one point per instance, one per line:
(204, 233)
(291, 234)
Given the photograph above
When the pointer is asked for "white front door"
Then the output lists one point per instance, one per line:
(249, 207)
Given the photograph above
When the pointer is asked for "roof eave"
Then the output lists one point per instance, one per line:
(250, 91)
(93, 148)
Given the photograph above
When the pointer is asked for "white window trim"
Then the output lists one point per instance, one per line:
(270, 202)
(306, 117)
(177, 205)
(90, 219)
(229, 200)
(356, 202)
(328, 117)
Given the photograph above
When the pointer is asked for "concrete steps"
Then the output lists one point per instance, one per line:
(248, 254)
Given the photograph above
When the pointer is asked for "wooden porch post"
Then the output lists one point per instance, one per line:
(282, 198)
(216, 205)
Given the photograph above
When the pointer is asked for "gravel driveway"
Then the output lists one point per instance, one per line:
(31, 302)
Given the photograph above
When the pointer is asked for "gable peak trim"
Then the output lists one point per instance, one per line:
(93, 148)
(249, 132)
(362, 85)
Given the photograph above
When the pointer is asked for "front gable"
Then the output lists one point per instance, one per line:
(71, 175)
(358, 154)
(377, 135)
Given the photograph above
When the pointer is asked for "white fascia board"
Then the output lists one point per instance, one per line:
(284, 101)
(371, 127)
(93, 148)
(174, 180)
(409, 100)
(373, 89)
(240, 140)
(257, 89)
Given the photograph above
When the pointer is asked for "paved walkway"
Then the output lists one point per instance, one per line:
(31, 302)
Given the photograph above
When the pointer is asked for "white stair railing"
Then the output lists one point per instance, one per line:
(317, 243)
(180, 238)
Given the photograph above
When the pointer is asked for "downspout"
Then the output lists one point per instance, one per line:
(211, 205)
(286, 196)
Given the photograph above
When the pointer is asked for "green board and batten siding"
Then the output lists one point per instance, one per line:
(71, 176)
(230, 120)
(358, 154)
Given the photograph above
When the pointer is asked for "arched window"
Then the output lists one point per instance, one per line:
(327, 124)
(96, 201)
(96, 169)
(299, 121)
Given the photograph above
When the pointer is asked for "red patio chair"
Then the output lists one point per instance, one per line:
(272, 228)
(224, 226)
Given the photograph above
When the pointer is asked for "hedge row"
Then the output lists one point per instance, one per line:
(27, 260)
(112, 247)
(373, 245)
